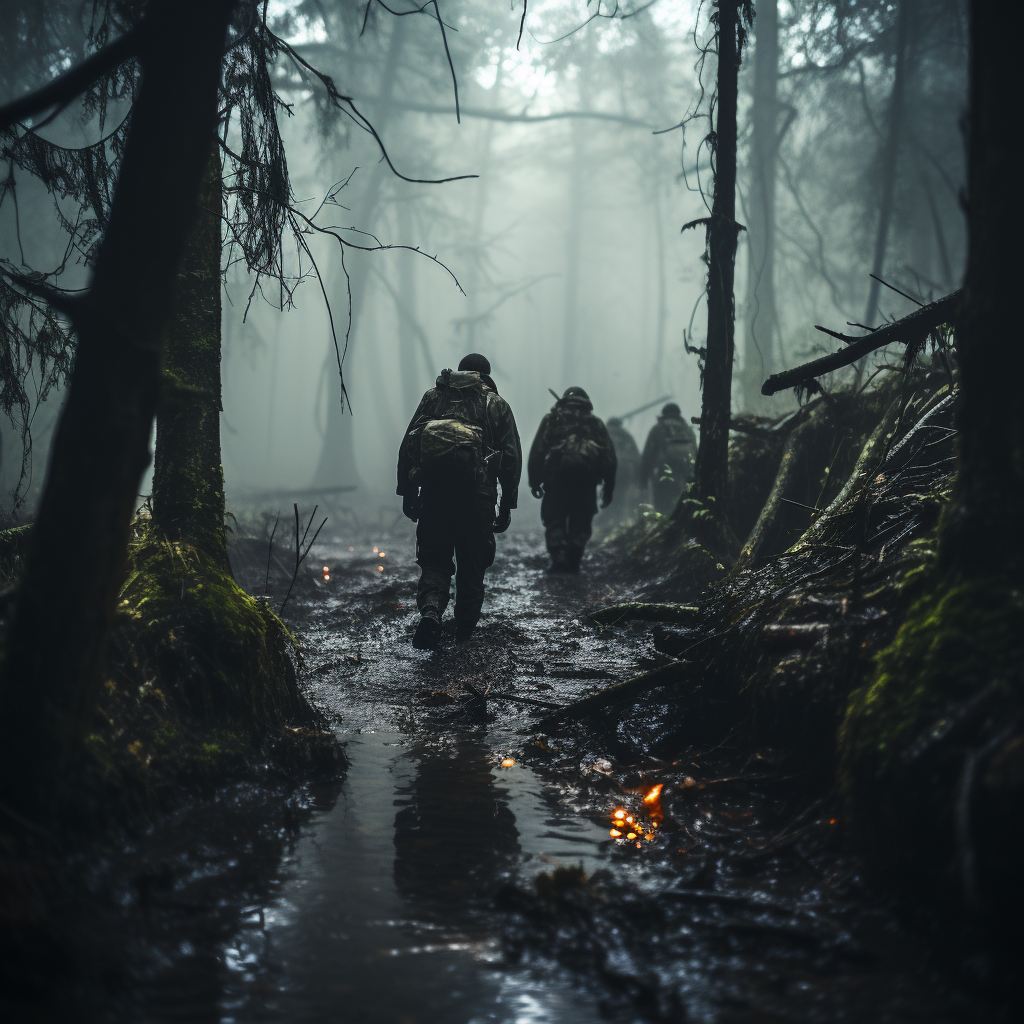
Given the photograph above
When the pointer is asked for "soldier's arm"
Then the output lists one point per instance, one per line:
(650, 449)
(405, 463)
(506, 437)
(538, 452)
(611, 461)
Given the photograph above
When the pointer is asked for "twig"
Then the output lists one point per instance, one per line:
(896, 290)
(300, 555)
(270, 554)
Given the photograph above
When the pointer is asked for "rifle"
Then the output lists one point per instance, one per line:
(644, 408)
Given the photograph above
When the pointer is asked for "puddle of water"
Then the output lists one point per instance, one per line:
(383, 917)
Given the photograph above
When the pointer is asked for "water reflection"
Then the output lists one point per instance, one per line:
(456, 839)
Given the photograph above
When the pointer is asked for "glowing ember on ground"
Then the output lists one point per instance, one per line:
(380, 554)
(508, 762)
(375, 549)
(327, 575)
(351, 549)
(380, 568)
(653, 795)
(626, 827)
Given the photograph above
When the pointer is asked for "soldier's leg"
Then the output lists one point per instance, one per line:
(435, 547)
(581, 511)
(553, 515)
(474, 555)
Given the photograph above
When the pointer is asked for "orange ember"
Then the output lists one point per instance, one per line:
(615, 833)
(508, 762)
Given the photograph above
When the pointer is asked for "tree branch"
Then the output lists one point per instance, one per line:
(910, 328)
(61, 91)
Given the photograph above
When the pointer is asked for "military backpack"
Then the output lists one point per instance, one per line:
(575, 454)
(452, 446)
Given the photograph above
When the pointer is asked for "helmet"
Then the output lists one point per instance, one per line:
(576, 393)
(476, 363)
(615, 421)
(671, 410)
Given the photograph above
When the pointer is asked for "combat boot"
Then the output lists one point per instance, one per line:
(428, 633)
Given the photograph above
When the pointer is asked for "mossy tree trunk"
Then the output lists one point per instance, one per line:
(188, 481)
(53, 661)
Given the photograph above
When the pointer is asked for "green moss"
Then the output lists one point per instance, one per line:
(954, 640)
(211, 647)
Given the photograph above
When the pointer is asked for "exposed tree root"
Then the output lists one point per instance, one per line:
(684, 614)
(629, 691)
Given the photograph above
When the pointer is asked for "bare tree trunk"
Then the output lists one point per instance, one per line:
(890, 155)
(337, 463)
(188, 480)
(761, 316)
(56, 643)
(712, 465)
(408, 342)
(573, 252)
(483, 188)
(984, 534)
(662, 312)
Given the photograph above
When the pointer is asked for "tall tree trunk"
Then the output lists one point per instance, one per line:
(712, 465)
(984, 535)
(188, 480)
(890, 154)
(337, 462)
(56, 643)
(761, 316)
(573, 253)
(484, 163)
(408, 342)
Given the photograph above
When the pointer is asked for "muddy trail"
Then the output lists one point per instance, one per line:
(469, 868)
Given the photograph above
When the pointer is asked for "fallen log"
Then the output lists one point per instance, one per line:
(629, 691)
(790, 465)
(911, 328)
(862, 471)
(685, 614)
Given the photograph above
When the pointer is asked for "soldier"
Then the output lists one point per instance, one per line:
(668, 458)
(627, 475)
(571, 454)
(461, 444)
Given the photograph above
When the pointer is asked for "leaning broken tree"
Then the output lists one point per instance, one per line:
(56, 641)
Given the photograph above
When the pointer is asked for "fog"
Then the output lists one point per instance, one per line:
(567, 247)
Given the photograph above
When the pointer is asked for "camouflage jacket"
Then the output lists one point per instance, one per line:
(668, 432)
(500, 434)
(569, 416)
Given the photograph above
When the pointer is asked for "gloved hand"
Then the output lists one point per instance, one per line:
(606, 496)
(411, 506)
(501, 523)
(538, 491)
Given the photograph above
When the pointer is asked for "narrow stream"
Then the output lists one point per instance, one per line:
(375, 900)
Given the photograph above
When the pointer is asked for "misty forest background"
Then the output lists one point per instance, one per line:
(587, 136)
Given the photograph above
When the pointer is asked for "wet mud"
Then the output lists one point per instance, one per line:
(471, 867)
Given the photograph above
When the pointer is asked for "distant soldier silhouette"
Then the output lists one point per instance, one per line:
(571, 454)
(461, 444)
(627, 475)
(668, 458)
